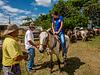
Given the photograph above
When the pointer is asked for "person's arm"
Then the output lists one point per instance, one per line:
(15, 52)
(32, 43)
(29, 37)
(20, 57)
(53, 27)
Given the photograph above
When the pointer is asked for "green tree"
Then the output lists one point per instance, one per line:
(75, 13)
(93, 12)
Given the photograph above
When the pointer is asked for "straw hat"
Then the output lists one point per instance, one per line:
(10, 29)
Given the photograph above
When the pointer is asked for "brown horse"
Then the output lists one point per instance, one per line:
(48, 40)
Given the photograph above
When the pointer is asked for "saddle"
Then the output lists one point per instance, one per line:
(57, 38)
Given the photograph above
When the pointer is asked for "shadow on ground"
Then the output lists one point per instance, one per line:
(73, 64)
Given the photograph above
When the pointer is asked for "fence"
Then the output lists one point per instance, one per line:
(36, 35)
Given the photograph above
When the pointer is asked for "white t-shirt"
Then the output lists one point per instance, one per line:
(28, 36)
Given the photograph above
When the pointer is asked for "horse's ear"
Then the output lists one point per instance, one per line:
(42, 30)
(48, 29)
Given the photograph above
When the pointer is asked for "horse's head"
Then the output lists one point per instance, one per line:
(43, 41)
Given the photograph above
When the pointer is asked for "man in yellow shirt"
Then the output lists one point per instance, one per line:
(12, 53)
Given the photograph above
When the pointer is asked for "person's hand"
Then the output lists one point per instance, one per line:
(25, 55)
(37, 46)
(56, 33)
(18, 58)
(56, 36)
(53, 32)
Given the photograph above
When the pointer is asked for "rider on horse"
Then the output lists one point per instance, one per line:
(57, 27)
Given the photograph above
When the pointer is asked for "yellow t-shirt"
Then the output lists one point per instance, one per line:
(10, 50)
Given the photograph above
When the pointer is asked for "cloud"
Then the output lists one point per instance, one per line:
(1, 3)
(1, 15)
(43, 2)
(20, 17)
(14, 10)
(19, 20)
(8, 13)
(9, 9)
(34, 15)
(3, 19)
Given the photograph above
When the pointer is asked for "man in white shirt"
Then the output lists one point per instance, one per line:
(30, 46)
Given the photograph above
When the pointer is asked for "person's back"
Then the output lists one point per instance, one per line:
(8, 51)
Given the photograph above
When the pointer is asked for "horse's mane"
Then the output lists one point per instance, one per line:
(48, 31)
(51, 32)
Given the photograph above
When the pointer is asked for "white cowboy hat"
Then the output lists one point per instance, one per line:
(10, 29)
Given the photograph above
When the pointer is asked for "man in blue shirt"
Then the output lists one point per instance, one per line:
(57, 27)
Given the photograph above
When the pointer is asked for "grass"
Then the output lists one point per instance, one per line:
(83, 59)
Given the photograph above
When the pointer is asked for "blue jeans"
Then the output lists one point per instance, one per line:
(63, 43)
(31, 52)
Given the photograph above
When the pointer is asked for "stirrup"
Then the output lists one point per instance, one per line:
(65, 55)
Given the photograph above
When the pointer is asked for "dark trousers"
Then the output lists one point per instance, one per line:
(12, 70)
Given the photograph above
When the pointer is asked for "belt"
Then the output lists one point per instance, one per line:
(12, 65)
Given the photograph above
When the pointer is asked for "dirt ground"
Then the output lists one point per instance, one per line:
(83, 59)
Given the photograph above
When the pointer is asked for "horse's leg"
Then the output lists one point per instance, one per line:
(65, 59)
(58, 61)
(57, 52)
(51, 63)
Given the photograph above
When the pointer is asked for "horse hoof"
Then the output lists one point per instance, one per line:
(65, 63)
(61, 70)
